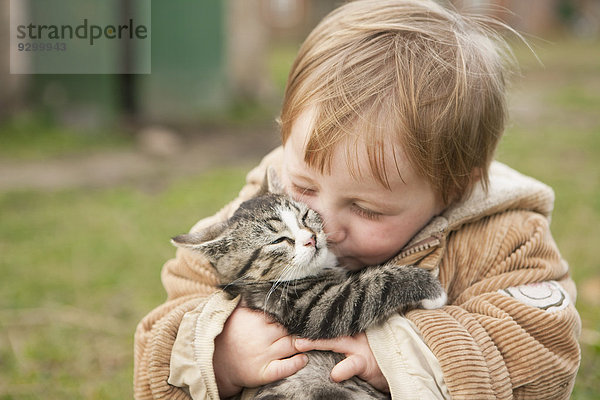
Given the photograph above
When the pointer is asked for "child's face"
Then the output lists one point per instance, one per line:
(366, 223)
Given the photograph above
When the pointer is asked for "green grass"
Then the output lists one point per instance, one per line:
(81, 267)
(36, 135)
(555, 137)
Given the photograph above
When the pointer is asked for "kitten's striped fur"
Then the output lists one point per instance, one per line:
(273, 253)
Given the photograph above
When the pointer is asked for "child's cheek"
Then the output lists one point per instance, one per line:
(380, 240)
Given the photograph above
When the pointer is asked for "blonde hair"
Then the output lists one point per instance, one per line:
(407, 73)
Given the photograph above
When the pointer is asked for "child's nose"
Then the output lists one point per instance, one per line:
(334, 230)
(335, 236)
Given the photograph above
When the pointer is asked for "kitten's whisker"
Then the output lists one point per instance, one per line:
(274, 286)
(281, 280)
(236, 281)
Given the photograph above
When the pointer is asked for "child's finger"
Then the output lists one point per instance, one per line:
(283, 347)
(338, 345)
(348, 367)
(279, 369)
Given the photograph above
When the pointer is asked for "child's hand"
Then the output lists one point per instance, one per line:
(359, 360)
(252, 351)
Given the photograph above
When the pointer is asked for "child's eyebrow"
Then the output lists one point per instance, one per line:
(299, 176)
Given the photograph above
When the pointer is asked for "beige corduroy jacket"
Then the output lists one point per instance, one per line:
(510, 328)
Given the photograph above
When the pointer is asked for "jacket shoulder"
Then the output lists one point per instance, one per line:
(510, 248)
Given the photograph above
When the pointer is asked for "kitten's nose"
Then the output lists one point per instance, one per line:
(311, 241)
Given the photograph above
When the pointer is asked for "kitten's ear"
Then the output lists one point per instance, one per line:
(272, 183)
(207, 241)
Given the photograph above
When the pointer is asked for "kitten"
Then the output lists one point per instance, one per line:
(273, 252)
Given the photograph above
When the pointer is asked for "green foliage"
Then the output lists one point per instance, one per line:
(279, 64)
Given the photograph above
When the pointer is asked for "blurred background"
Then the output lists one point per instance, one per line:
(97, 172)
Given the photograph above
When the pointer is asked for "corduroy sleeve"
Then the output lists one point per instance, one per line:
(510, 328)
(188, 279)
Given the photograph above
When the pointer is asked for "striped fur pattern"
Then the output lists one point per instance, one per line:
(273, 252)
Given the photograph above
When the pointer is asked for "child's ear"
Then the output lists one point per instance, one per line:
(207, 241)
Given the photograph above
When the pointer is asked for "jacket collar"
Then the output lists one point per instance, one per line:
(508, 190)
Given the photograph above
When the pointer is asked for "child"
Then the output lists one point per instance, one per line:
(391, 116)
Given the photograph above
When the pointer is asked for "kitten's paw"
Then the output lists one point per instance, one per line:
(438, 302)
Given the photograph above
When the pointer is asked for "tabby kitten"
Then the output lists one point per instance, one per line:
(273, 252)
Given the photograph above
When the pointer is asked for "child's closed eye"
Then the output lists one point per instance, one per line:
(365, 213)
(304, 191)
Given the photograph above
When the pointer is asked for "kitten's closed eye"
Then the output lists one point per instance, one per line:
(283, 239)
